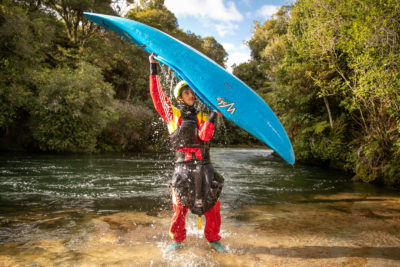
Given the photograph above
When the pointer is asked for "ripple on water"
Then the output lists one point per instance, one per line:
(92, 210)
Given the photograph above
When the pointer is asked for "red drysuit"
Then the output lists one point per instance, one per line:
(172, 116)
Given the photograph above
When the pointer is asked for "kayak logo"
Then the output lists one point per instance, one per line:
(223, 104)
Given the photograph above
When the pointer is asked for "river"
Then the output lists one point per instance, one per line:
(115, 210)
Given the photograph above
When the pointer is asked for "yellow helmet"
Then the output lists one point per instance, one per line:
(178, 88)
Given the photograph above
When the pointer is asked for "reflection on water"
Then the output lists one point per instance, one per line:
(116, 209)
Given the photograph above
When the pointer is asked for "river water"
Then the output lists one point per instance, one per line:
(115, 210)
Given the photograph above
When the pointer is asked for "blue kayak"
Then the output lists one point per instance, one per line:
(216, 87)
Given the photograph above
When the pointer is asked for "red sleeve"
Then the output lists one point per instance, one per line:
(206, 131)
(160, 99)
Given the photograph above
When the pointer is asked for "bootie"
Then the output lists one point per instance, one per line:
(174, 246)
(218, 246)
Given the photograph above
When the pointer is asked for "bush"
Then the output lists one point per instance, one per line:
(72, 109)
(130, 132)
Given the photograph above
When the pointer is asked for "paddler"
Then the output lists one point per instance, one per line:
(195, 184)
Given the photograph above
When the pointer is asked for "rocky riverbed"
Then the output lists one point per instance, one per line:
(344, 229)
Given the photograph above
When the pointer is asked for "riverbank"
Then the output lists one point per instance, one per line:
(323, 230)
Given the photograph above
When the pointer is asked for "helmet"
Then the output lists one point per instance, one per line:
(178, 88)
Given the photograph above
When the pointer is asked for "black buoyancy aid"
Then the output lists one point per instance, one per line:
(187, 134)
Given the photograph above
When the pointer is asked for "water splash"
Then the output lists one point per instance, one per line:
(168, 81)
(221, 132)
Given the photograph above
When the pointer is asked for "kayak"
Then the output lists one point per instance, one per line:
(216, 87)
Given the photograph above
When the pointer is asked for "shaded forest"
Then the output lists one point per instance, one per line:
(329, 69)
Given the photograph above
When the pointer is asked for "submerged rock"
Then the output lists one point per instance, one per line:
(126, 221)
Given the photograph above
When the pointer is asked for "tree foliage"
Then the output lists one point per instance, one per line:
(72, 108)
(333, 67)
(71, 12)
(155, 14)
(68, 85)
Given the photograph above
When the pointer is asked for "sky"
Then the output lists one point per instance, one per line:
(230, 22)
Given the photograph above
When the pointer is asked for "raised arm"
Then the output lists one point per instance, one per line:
(160, 100)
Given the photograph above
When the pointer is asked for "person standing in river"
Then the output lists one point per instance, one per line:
(195, 184)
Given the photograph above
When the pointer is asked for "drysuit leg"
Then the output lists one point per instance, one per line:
(213, 223)
(178, 230)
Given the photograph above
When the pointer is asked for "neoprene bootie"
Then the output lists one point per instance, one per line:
(218, 246)
(174, 246)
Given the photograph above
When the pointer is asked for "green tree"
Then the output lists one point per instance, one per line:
(332, 68)
(71, 12)
(131, 131)
(72, 109)
(155, 14)
(26, 45)
(265, 34)
(214, 50)
(253, 75)
(355, 45)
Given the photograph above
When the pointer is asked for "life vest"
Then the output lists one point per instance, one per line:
(186, 136)
(185, 139)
